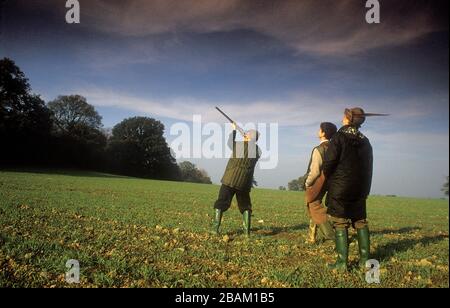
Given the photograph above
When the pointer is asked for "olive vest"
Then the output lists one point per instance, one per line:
(241, 167)
(322, 148)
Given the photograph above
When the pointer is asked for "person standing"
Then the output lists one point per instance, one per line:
(319, 227)
(347, 167)
(238, 179)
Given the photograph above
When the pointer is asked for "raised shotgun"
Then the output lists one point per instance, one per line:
(229, 119)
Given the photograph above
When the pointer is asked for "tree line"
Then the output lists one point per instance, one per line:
(68, 133)
(295, 184)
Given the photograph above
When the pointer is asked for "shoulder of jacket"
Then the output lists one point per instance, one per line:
(337, 137)
(324, 144)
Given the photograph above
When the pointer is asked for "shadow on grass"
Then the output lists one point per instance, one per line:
(389, 250)
(275, 231)
(278, 230)
(396, 231)
(63, 171)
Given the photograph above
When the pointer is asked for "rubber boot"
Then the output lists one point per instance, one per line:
(326, 231)
(363, 245)
(247, 222)
(217, 221)
(341, 238)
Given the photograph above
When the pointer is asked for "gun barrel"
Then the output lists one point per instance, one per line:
(229, 119)
(225, 115)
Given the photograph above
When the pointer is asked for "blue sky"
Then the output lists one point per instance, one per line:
(290, 62)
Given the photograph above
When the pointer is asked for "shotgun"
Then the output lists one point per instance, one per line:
(231, 121)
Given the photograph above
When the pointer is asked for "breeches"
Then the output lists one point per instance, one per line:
(226, 195)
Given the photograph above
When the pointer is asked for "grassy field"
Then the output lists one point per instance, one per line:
(140, 233)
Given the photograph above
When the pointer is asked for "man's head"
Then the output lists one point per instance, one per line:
(354, 117)
(251, 135)
(327, 130)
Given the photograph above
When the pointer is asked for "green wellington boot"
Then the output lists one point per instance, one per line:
(341, 238)
(326, 231)
(247, 216)
(217, 221)
(363, 246)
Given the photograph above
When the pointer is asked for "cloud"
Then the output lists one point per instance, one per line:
(301, 109)
(324, 28)
(400, 142)
(314, 27)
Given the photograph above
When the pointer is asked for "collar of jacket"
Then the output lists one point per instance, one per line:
(351, 130)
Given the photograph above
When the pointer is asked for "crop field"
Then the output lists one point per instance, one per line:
(128, 232)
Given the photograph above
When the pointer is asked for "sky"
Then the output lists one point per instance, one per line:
(294, 63)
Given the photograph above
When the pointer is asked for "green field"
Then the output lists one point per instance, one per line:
(130, 232)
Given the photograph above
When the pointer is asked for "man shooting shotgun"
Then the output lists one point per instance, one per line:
(238, 177)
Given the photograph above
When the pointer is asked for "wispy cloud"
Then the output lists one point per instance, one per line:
(400, 142)
(303, 110)
(299, 110)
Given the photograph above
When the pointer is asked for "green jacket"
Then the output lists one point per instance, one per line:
(241, 166)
